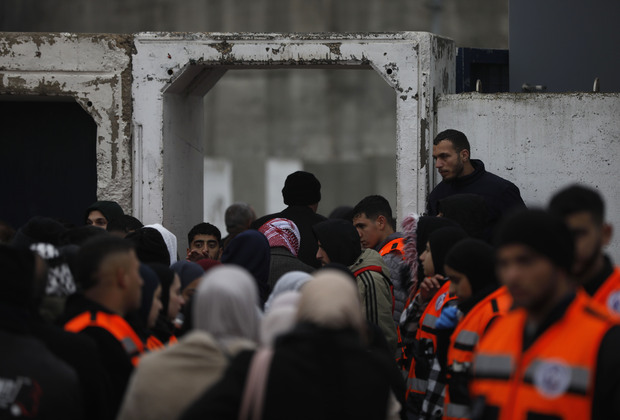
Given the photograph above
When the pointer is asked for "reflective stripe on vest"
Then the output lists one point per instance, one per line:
(457, 411)
(466, 340)
(395, 245)
(429, 322)
(493, 366)
(115, 325)
(417, 385)
(579, 376)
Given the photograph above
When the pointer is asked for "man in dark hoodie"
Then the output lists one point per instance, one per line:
(302, 193)
(461, 174)
(339, 242)
(101, 213)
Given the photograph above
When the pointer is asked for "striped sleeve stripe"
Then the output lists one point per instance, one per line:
(372, 312)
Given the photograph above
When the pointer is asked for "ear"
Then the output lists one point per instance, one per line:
(188, 252)
(120, 277)
(381, 222)
(464, 155)
(607, 233)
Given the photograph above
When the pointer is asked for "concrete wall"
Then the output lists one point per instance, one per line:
(95, 71)
(543, 142)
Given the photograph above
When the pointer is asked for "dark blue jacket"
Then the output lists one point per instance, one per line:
(500, 195)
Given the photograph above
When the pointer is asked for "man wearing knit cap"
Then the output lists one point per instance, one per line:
(555, 356)
(301, 193)
(101, 213)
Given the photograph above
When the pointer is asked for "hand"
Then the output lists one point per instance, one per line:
(196, 255)
(429, 287)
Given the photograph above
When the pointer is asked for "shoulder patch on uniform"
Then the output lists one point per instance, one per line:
(552, 378)
(613, 302)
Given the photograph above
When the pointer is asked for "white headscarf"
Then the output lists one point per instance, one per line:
(169, 239)
(331, 300)
(280, 318)
(226, 304)
(291, 281)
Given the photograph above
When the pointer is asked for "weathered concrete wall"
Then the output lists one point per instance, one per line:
(543, 142)
(417, 66)
(95, 70)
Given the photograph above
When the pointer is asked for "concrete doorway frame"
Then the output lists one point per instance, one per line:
(173, 72)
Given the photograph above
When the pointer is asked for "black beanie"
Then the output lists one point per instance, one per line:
(543, 232)
(39, 230)
(340, 240)
(426, 226)
(475, 259)
(441, 241)
(301, 189)
(110, 209)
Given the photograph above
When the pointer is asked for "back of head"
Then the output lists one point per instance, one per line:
(441, 241)
(458, 139)
(339, 239)
(169, 239)
(188, 272)
(577, 199)
(39, 229)
(291, 281)
(203, 228)
(239, 217)
(282, 233)
(17, 286)
(331, 300)
(475, 259)
(426, 226)
(543, 232)
(93, 253)
(374, 206)
(225, 304)
(342, 212)
(150, 246)
(301, 189)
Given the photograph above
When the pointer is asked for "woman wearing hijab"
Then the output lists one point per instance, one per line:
(172, 302)
(143, 320)
(291, 281)
(250, 250)
(319, 370)
(226, 321)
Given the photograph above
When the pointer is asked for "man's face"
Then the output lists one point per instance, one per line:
(96, 218)
(369, 230)
(322, 256)
(590, 239)
(530, 277)
(448, 161)
(204, 246)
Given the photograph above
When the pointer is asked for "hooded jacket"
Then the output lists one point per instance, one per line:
(373, 282)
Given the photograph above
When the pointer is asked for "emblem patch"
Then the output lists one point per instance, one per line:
(552, 379)
(613, 302)
(440, 301)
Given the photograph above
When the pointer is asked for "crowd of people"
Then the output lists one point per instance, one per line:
(478, 309)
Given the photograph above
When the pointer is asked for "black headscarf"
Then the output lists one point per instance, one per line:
(150, 246)
(39, 229)
(250, 250)
(166, 276)
(150, 283)
(340, 240)
(475, 259)
(441, 241)
(110, 210)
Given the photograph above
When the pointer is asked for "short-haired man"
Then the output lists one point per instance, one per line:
(302, 194)
(556, 356)
(204, 241)
(583, 211)
(339, 242)
(461, 175)
(238, 217)
(372, 217)
(108, 271)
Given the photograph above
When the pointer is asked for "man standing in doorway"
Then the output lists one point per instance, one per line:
(462, 175)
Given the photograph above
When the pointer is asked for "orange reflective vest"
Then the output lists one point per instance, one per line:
(553, 378)
(154, 343)
(115, 325)
(609, 292)
(461, 351)
(395, 245)
(426, 337)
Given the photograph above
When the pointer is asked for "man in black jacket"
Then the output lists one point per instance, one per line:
(461, 174)
(301, 193)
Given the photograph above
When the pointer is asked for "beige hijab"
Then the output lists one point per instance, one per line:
(331, 300)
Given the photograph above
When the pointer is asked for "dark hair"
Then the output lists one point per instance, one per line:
(92, 254)
(125, 224)
(374, 206)
(457, 138)
(238, 216)
(204, 229)
(576, 199)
